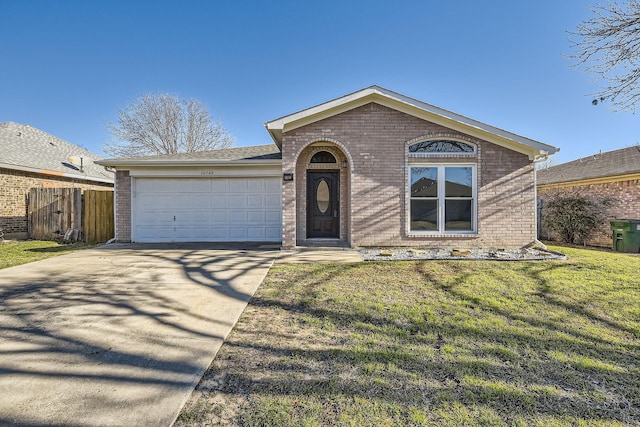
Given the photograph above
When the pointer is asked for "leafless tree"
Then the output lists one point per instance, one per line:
(608, 45)
(164, 124)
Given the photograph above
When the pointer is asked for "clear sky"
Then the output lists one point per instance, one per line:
(67, 66)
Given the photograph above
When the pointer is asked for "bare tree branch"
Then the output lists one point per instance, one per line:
(608, 45)
(164, 124)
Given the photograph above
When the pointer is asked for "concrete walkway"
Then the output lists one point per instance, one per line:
(119, 335)
(313, 255)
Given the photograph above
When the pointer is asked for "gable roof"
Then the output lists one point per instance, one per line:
(254, 155)
(621, 162)
(534, 149)
(25, 148)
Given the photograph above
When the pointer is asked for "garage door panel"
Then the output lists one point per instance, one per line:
(273, 233)
(238, 233)
(206, 209)
(255, 233)
(255, 217)
(219, 233)
(272, 201)
(238, 201)
(220, 185)
(200, 185)
(219, 200)
(236, 217)
(255, 185)
(273, 217)
(201, 200)
(255, 201)
(218, 217)
(238, 185)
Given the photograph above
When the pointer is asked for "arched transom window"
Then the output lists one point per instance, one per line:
(323, 157)
(442, 146)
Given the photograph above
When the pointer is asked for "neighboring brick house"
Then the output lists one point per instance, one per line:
(372, 168)
(31, 158)
(614, 175)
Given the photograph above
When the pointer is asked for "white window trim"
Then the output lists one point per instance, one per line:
(441, 198)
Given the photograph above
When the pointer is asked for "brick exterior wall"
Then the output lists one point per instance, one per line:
(625, 195)
(123, 206)
(15, 185)
(374, 186)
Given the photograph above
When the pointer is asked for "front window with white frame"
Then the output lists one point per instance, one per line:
(442, 198)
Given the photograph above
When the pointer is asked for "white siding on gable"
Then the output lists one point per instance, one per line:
(206, 209)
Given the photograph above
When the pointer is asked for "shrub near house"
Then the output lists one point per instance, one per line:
(613, 176)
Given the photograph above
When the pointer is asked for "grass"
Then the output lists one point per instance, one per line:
(433, 343)
(16, 252)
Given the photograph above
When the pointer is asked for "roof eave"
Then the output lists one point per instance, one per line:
(55, 173)
(187, 162)
(534, 149)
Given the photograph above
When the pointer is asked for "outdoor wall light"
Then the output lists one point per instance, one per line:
(344, 163)
(287, 177)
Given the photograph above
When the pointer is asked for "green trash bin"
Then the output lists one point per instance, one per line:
(626, 235)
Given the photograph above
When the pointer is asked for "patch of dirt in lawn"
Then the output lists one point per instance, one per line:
(262, 340)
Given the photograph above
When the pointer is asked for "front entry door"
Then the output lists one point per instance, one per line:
(323, 204)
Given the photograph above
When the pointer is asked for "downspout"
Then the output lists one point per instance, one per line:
(115, 207)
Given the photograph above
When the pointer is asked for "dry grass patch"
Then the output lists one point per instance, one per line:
(16, 252)
(424, 343)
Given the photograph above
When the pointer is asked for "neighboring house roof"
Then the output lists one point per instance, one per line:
(255, 155)
(598, 166)
(25, 148)
(379, 95)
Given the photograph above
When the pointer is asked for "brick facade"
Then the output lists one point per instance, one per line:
(15, 187)
(123, 206)
(374, 185)
(625, 195)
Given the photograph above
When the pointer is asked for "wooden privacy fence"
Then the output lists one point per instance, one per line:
(67, 213)
(97, 216)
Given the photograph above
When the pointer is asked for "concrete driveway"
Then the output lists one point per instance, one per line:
(118, 335)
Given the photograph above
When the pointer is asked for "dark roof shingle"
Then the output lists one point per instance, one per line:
(611, 163)
(24, 147)
(256, 152)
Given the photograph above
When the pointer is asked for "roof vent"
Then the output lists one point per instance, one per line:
(76, 161)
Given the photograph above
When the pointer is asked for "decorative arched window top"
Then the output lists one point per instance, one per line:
(323, 157)
(442, 146)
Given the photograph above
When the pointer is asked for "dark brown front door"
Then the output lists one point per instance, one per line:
(323, 204)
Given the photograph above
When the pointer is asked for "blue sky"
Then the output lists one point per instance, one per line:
(67, 66)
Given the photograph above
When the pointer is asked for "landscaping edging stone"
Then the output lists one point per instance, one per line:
(407, 254)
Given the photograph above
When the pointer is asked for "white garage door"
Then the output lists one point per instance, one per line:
(206, 209)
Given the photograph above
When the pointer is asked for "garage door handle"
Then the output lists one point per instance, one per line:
(174, 217)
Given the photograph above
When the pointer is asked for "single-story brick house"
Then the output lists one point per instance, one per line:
(613, 174)
(31, 158)
(372, 168)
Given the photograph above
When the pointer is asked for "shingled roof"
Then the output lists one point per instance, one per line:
(602, 165)
(25, 148)
(239, 155)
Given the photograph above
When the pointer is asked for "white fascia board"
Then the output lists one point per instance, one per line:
(124, 164)
(55, 173)
(274, 170)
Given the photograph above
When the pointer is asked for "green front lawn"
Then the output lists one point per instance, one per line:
(452, 343)
(16, 252)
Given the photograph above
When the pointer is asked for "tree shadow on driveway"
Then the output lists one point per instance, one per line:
(118, 335)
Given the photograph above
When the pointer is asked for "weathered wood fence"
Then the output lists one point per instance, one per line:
(67, 213)
(97, 216)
